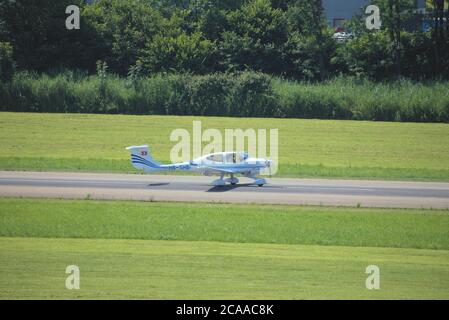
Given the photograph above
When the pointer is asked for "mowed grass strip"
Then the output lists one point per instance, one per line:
(307, 148)
(225, 223)
(34, 268)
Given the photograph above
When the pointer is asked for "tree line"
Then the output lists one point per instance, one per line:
(284, 38)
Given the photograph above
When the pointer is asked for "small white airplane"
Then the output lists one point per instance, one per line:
(222, 164)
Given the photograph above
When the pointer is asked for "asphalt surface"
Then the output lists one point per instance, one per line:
(195, 188)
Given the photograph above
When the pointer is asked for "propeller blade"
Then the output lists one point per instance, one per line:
(270, 163)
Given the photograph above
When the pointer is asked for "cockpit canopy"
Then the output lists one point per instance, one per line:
(228, 157)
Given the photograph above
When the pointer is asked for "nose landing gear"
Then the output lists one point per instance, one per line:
(260, 182)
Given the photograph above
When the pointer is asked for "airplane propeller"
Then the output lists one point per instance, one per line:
(268, 164)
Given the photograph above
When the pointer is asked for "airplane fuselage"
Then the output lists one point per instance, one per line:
(223, 163)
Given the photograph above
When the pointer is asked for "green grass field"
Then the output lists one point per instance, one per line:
(139, 250)
(425, 229)
(136, 269)
(307, 148)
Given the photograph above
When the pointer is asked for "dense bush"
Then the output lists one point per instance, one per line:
(245, 94)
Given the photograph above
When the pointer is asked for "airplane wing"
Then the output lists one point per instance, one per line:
(220, 170)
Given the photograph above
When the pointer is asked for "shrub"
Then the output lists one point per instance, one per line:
(245, 94)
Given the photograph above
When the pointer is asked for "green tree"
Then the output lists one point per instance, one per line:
(394, 15)
(36, 30)
(310, 47)
(213, 23)
(440, 37)
(370, 55)
(179, 52)
(122, 30)
(7, 63)
(309, 58)
(399, 49)
(256, 38)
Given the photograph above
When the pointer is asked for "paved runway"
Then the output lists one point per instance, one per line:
(196, 188)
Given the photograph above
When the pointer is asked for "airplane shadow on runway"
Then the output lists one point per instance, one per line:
(158, 184)
(231, 187)
(221, 188)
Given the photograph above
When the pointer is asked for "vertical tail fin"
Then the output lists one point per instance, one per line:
(142, 159)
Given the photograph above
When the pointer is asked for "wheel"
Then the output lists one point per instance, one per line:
(260, 185)
(233, 183)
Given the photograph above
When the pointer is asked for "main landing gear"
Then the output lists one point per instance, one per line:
(234, 181)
